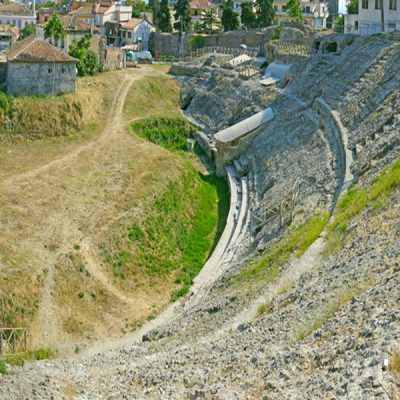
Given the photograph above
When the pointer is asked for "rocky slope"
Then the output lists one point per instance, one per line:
(324, 324)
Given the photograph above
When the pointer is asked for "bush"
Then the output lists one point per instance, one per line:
(261, 309)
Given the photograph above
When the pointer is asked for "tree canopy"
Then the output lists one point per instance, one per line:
(28, 30)
(138, 6)
(294, 11)
(248, 17)
(211, 23)
(88, 61)
(182, 16)
(54, 29)
(352, 7)
(164, 17)
(229, 18)
(265, 13)
(154, 5)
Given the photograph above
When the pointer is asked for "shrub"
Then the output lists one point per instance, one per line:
(261, 309)
(81, 295)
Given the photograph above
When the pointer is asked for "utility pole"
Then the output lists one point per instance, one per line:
(382, 17)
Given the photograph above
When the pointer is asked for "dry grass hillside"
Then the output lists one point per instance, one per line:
(71, 266)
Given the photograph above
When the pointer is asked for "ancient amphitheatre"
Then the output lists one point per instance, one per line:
(300, 297)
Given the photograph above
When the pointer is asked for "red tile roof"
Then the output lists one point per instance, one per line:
(14, 9)
(201, 4)
(33, 49)
(73, 23)
(133, 23)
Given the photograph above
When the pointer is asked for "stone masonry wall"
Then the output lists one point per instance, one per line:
(40, 78)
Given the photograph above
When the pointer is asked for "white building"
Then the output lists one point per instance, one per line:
(370, 18)
(315, 13)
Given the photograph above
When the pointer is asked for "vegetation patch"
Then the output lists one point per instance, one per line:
(276, 255)
(357, 199)
(179, 230)
(170, 133)
(31, 355)
(3, 368)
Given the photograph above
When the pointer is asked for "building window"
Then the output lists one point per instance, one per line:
(276, 8)
(393, 5)
(378, 4)
(50, 70)
(284, 8)
(365, 4)
(356, 25)
(63, 70)
(391, 26)
(129, 35)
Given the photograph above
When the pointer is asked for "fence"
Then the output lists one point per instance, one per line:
(12, 340)
(293, 48)
(232, 51)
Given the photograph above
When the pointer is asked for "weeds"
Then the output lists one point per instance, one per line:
(295, 243)
(3, 368)
(261, 309)
(341, 297)
(32, 355)
(357, 199)
(394, 364)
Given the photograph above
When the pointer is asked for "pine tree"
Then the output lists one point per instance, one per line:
(155, 8)
(164, 17)
(182, 16)
(248, 17)
(229, 18)
(265, 13)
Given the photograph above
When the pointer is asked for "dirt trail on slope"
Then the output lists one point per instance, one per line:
(56, 215)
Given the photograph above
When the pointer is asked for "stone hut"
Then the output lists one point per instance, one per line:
(35, 67)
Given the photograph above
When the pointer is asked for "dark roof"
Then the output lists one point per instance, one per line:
(33, 49)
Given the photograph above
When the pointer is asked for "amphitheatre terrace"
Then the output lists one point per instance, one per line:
(300, 296)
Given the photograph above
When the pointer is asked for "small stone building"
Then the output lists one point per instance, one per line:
(35, 67)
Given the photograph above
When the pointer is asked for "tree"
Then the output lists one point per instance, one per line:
(88, 61)
(248, 16)
(182, 16)
(154, 5)
(265, 13)
(54, 29)
(164, 17)
(352, 7)
(294, 11)
(138, 6)
(211, 23)
(28, 30)
(229, 18)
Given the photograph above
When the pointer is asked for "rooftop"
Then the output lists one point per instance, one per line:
(33, 49)
(133, 23)
(72, 22)
(14, 9)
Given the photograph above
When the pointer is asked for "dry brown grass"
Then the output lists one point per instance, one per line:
(62, 200)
